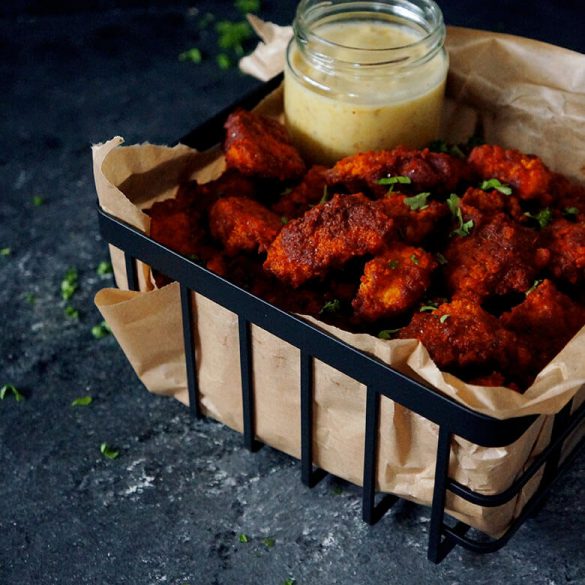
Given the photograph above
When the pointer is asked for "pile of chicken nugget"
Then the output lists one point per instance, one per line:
(475, 250)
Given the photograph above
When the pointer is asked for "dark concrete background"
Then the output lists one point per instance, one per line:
(171, 508)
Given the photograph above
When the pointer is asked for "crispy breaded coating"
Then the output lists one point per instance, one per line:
(260, 146)
(526, 173)
(243, 225)
(393, 282)
(463, 337)
(303, 196)
(175, 225)
(545, 321)
(479, 206)
(426, 170)
(565, 241)
(413, 224)
(326, 237)
(497, 258)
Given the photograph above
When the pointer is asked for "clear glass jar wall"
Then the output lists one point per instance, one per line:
(364, 75)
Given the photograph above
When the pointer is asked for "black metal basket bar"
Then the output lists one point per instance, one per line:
(379, 379)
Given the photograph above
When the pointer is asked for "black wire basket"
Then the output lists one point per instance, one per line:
(452, 418)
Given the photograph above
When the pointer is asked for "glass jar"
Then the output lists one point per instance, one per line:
(364, 75)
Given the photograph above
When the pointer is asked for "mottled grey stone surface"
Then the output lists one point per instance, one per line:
(172, 507)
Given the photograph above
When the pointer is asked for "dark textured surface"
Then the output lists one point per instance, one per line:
(171, 508)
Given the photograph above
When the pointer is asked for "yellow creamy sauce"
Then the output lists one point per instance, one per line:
(338, 113)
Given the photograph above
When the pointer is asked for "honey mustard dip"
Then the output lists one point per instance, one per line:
(360, 79)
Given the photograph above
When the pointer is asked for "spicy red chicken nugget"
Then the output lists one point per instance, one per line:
(260, 146)
(300, 198)
(566, 242)
(497, 258)
(545, 321)
(425, 170)
(461, 335)
(526, 173)
(415, 217)
(242, 224)
(393, 282)
(327, 237)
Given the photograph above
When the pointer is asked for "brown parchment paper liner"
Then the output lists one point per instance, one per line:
(527, 95)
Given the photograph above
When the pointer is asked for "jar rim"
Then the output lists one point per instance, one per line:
(420, 15)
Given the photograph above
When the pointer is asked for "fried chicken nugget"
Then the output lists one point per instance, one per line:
(463, 337)
(301, 197)
(243, 225)
(260, 146)
(479, 205)
(414, 223)
(327, 237)
(497, 258)
(426, 170)
(566, 242)
(545, 322)
(393, 282)
(526, 173)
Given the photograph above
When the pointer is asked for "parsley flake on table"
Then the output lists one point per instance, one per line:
(71, 312)
(69, 284)
(101, 330)
(5, 251)
(104, 268)
(37, 200)
(268, 542)
(192, 55)
(289, 581)
(223, 61)
(245, 6)
(30, 298)
(233, 35)
(417, 202)
(108, 451)
(495, 184)
(82, 401)
(11, 389)
(243, 538)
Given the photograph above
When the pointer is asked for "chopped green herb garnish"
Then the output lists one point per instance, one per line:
(429, 307)
(11, 389)
(388, 333)
(534, 286)
(289, 581)
(332, 306)
(417, 202)
(193, 55)
(325, 196)
(243, 538)
(109, 452)
(104, 267)
(283, 219)
(69, 284)
(441, 259)
(464, 227)
(71, 312)
(442, 146)
(495, 184)
(570, 212)
(233, 35)
(414, 259)
(206, 20)
(101, 330)
(543, 217)
(444, 318)
(5, 251)
(337, 490)
(37, 200)
(82, 401)
(245, 6)
(223, 61)
(268, 542)
(30, 298)
(392, 181)
(194, 257)
(393, 264)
